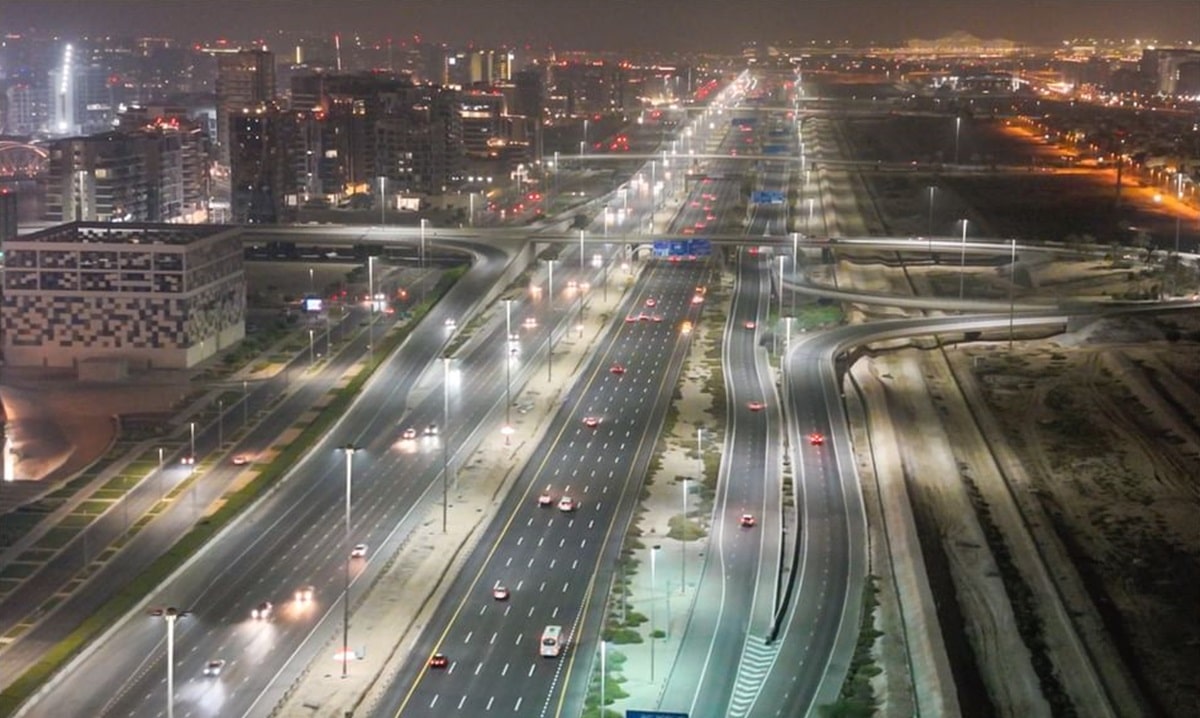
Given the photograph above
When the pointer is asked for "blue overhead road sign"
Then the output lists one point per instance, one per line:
(765, 197)
(653, 714)
(664, 248)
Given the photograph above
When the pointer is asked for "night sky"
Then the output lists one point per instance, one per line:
(718, 25)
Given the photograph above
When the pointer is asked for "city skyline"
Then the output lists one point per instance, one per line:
(703, 25)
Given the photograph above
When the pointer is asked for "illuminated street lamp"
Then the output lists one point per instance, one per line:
(962, 261)
(653, 556)
(445, 438)
(170, 614)
(507, 369)
(422, 257)
(957, 128)
(349, 449)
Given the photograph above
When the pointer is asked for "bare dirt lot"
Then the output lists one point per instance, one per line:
(1061, 477)
(1108, 426)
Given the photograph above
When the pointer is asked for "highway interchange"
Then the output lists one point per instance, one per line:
(557, 564)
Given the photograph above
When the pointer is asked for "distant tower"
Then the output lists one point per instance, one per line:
(62, 94)
(245, 79)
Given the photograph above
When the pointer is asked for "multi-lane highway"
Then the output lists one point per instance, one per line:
(293, 538)
(558, 563)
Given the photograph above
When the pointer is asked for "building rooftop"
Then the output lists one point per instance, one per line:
(124, 233)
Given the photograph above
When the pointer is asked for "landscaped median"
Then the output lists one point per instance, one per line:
(230, 506)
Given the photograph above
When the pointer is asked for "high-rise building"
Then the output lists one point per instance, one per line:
(483, 123)
(99, 178)
(8, 216)
(266, 152)
(373, 125)
(158, 296)
(245, 80)
(182, 188)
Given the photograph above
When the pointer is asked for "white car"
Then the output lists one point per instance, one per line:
(567, 504)
(262, 611)
(304, 594)
(214, 667)
(410, 433)
(359, 551)
(431, 430)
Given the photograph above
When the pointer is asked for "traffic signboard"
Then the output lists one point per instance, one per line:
(767, 197)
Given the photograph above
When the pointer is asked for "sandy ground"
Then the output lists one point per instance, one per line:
(1072, 463)
(1107, 426)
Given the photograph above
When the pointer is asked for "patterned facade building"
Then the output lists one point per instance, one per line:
(157, 296)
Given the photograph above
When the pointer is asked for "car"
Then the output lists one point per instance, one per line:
(241, 460)
(187, 460)
(591, 422)
(304, 594)
(410, 433)
(748, 521)
(656, 318)
(262, 611)
(651, 302)
(500, 593)
(750, 324)
(631, 319)
(438, 660)
(643, 317)
(431, 430)
(816, 438)
(698, 299)
(545, 499)
(450, 323)
(214, 667)
(359, 551)
(755, 405)
(567, 504)
(617, 369)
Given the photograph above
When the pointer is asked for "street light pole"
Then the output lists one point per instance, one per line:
(245, 403)
(445, 439)
(581, 252)
(550, 324)
(932, 189)
(795, 256)
(1012, 285)
(220, 424)
(653, 556)
(349, 449)
(683, 540)
(371, 307)
(192, 427)
(507, 369)
(422, 257)
(776, 333)
(957, 128)
(603, 675)
(170, 615)
(162, 479)
(962, 260)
